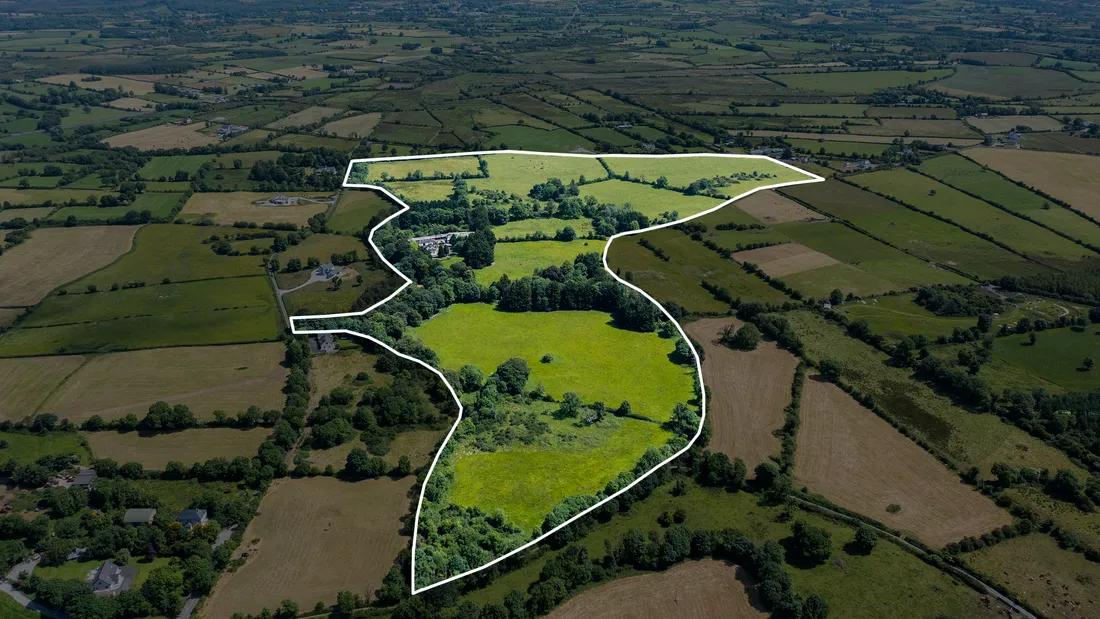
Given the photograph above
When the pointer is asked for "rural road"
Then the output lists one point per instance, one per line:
(1016, 608)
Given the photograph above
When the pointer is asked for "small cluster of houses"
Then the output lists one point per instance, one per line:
(227, 131)
(433, 243)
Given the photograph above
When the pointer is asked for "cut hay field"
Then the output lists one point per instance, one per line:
(188, 446)
(1072, 178)
(772, 208)
(591, 357)
(307, 116)
(357, 126)
(748, 390)
(1060, 583)
(706, 589)
(25, 383)
(104, 82)
(971, 177)
(314, 542)
(225, 208)
(54, 256)
(858, 461)
(423, 191)
(646, 199)
(446, 167)
(205, 378)
(168, 166)
(520, 259)
(164, 136)
(683, 171)
(546, 225)
(935, 197)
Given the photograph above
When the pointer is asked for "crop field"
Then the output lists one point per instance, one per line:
(772, 208)
(968, 176)
(590, 356)
(517, 260)
(648, 200)
(859, 82)
(1007, 82)
(27, 382)
(918, 234)
(546, 225)
(706, 589)
(315, 542)
(25, 447)
(748, 390)
(168, 166)
(1060, 583)
(1072, 178)
(428, 168)
(531, 138)
(683, 171)
(188, 446)
(205, 378)
(785, 259)
(858, 461)
(225, 208)
(164, 136)
(307, 116)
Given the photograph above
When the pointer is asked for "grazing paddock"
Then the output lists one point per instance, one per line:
(42, 196)
(770, 207)
(1007, 82)
(748, 390)
(785, 259)
(25, 383)
(205, 378)
(518, 173)
(358, 126)
(1072, 178)
(54, 256)
(307, 116)
(520, 259)
(189, 446)
(860, 462)
(132, 104)
(104, 82)
(546, 225)
(418, 445)
(647, 199)
(315, 541)
(1003, 124)
(356, 208)
(683, 171)
(164, 136)
(26, 447)
(228, 207)
(706, 589)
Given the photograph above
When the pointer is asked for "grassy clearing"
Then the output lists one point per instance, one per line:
(27, 448)
(1007, 82)
(1072, 178)
(898, 316)
(53, 256)
(548, 226)
(188, 446)
(423, 191)
(520, 259)
(648, 200)
(591, 357)
(682, 171)
(518, 173)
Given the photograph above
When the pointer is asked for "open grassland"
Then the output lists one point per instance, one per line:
(25, 383)
(1007, 82)
(314, 541)
(772, 208)
(648, 200)
(590, 356)
(225, 208)
(1072, 178)
(307, 116)
(518, 173)
(102, 83)
(26, 448)
(445, 167)
(532, 138)
(526, 483)
(29, 214)
(837, 147)
(935, 197)
(356, 208)
(1056, 356)
(683, 171)
(968, 176)
(188, 446)
(164, 136)
(53, 256)
(176, 253)
(205, 378)
(706, 589)
(667, 282)
(748, 390)
(517, 260)
(158, 205)
(424, 191)
(858, 461)
(859, 82)
(168, 166)
(546, 225)
(918, 128)
(971, 439)
(918, 234)
(1058, 583)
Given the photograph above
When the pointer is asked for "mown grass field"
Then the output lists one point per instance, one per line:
(356, 208)
(25, 383)
(26, 448)
(517, 260)
(546, 225)
(591, 357)
(648, 200)
(189, 446)
(168, 166)
(158, 205)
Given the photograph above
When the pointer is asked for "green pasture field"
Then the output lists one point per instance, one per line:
(403, 134)
(1056, 356)
(26, 448)
(682, 171)
(517, 260)
(895, 317)
(917, 128)
(168, 166)
(859, 82)
(446, 167)
(610, 104)
(174, 252)
(909, 112)
(11, 170)
(30, 214)
(1065, 515)
(922, 235)
(647, 199)
(412, 117)
(1007, 82)
(517, 174)
(356, 208)
(971, 439)
(248, 159)
(95, 114)
(322, 298)
(1073, 65)
(153, 300)
(546, 225)
(932, 196)
(832, 110)
(523, 137)
(159, 204)
(819, 282)
(853, 149)
(315, 141)
(967, 175)
(857, 591)
(533, 107)
(465, 114)
(607, 134)
(249, 115)
(591, 357)
(424, 191)
(41, 196)
(232, 326)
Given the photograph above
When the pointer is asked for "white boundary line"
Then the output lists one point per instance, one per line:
(814, 178)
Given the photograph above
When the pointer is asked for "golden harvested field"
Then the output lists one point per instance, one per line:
(228, 207)
(706, 589)
(307, 116)
(205, 378)
(105, 82)
(785, 259)
(130, 103)
(772, 208)
(858, 461)
(354, 126)
(188, 446)
(748, 390)
(24, 383)
(315, 540)
(54, 256)
(1072, 178)
(164, 136)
